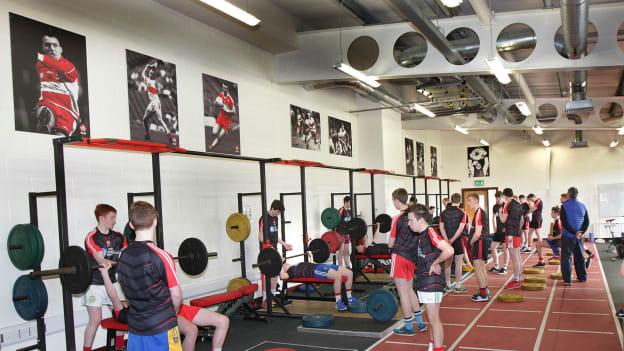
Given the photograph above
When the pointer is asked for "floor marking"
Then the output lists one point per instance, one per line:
(461, 308)
(583, 313)
(580, 331)
(502, 327)
(482, 348)
(304, 345)
(597, 300)
(474, 321)
(382, 340)
(407, 343)
(540, 333)
(568, 288)
(501, 310)
(613, 313)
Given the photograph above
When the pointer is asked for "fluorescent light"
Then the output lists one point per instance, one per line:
(523, 107)
(484, 142)
(538, 130)
(348, 70)
(614, 143)
(233, 11)
(451, 3)
(461, 129)
(422, 110)
(546, 143)
(621, 131)
(496, 66)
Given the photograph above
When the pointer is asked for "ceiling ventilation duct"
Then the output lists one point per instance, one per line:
(578, 140)
(373, 94)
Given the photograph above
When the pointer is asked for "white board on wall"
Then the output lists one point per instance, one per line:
(611, 200)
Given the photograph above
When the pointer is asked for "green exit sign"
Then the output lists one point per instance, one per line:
(479, 182)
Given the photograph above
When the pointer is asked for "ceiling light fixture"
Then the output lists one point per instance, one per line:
(546, 142)
(484, 142)
(233, 11)
(496, 66)
(422, 110)
(614, 143)
(452, 3)
(461, 129)
(348, 70)
(524, 108)
(538, 130)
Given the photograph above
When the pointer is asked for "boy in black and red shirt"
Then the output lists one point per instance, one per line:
(512, 218)
(344, 253)
(554, 238)
(479, 232)
(499, 236)
(431, 252)
(535, 225)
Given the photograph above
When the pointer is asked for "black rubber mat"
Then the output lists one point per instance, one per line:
(362, 324)
(266, 345)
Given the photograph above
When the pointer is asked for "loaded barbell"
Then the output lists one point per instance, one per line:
(357, 227)
(270, 261)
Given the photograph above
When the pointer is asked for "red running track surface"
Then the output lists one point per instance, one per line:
(578, 317)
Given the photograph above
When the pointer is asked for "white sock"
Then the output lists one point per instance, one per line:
(338, 297)
(348, 293)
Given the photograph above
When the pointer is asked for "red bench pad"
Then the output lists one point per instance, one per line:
(314, 280)
(113, 324)
(216, 299)
(377, 257)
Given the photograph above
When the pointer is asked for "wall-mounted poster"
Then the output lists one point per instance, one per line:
(434, 161)
(409, 156)
(221, 118)
(50, 86)
(420, 159)
(152, 98)
(305, 126)
(478, 161)
(339, 137)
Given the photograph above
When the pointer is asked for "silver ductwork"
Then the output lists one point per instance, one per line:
(373, 94)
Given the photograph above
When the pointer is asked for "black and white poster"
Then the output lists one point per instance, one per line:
(339, 137)
(434, 161)
(50, 85)
(221, 116)
(478, 161)
(420, 159)
(305, 128)
(152, 99)
(409, 156)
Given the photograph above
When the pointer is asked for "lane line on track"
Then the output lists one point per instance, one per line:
(584, 313)
(524, 311)
(611, 304)
(596, 300)
(482, 348)
(502, 327)
(580, 331)
(461, 308)
(540, 334)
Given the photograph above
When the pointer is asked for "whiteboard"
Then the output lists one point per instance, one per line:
(611, 200)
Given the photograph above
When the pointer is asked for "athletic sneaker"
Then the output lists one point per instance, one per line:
(502, 271)
(421, 327)
(620, 313)
(478, 298)
(340, 306)
(589, 253)
(513, 285)
(448, 288)
(404, 331)
(352, 300)
(539, 264)
(494, 270)
(526, 249)
(567, 283)
(459, 289)
(588, 262)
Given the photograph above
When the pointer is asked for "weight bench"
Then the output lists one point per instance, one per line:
(311, 282)
(377, 260)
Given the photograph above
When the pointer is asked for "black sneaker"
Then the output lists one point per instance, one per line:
(620, 313)
(502, 271)
(539, 265)
(588, 262)
(589, 253)
(494, 270)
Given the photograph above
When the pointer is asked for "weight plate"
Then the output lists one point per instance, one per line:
(30, 297)
(556, 276)
(537, 279)
(333, 239)
(504, 297)
(356, 228)
(330, 217)
(237, 283)
(193, 256)
(79, 281)
(25, 246)
(358, 307)
(129, 233)
(533, 286)
(554, 262)
(533, 271)
(238, 227)
(385, 222)
(270, 262)
(320, 250)
(382, 305)
(467, 268)
(317, 320)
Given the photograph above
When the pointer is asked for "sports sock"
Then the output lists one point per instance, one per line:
(409, 323)
(418, 315)
(86, 348)
(517, 278)
(348, 293)
(119, 342)
(438, 349)
(338, 297)
(430, 348)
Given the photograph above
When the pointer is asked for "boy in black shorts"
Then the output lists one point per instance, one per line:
(526, 220)
(499, 236)
(322, 271)
(479, 232)
(554, 238)
(272, 239)
(512, 218)
(344, 253)
(453, 222)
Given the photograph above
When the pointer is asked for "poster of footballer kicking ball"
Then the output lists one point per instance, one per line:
(221, 117)
(152, 99)
(50, 86)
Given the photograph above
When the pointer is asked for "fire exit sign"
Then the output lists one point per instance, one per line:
(479, 182)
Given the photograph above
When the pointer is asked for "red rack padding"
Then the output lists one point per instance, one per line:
(113, 324)
(429, 177)
(300, 163)
(216, 299)
(452, 180)
(376, 257)
(127, 145)
(376, 171)
(314, 280)
(249, 289)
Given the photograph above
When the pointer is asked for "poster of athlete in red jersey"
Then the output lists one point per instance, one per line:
(221, 116)
(153, 99)
(49, 78)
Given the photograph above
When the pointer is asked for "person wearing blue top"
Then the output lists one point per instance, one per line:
(575, 220)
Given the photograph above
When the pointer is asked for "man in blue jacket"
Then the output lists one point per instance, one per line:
(575, 222)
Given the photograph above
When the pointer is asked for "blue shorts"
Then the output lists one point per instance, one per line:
(321, 270)
(169, 340)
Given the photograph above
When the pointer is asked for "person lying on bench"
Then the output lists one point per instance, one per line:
(189, 317)
(325, 272)
(554, 238)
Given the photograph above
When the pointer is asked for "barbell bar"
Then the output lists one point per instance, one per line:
(270, 261)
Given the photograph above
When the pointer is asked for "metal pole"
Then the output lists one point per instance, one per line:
(372, 176)
(283, 225)
(160, 242)
(304, 216)
(426, 192)
(353, 204)
(414, 187)
(34, 220)
(439, 197)
(265, 232)
(61, 209)
(242, 243)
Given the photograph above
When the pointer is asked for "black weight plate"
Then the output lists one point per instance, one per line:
(25, 246)
(385, 222)
(193, 256)
(270, 262)
(129, 233)
(79, 281)
(35, 303)
(356, 228)
(320, 250)
(317, 320)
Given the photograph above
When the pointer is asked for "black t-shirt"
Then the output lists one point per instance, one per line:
(453, 217)
(514, 218)
(427, 245)
(272, 238)
(345, 217)
(480, 219)
(537, 213)
(301, 270)
(146, 273)
(405, 240)
(110, 246)
(497, 210)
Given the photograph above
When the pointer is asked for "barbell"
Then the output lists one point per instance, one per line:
(357, 227)
(270, 261)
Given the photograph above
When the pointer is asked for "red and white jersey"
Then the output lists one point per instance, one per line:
(227, 102)
(59, 86)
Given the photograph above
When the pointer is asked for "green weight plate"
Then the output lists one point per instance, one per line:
(30, 297)
(382, 305)
(129, 233)
(317, 320)
(330, 217)
(25, 246)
